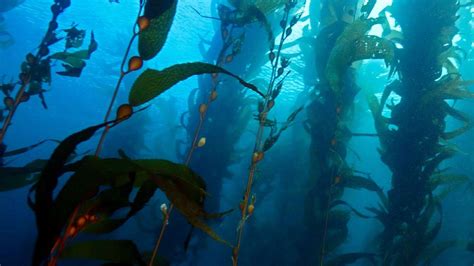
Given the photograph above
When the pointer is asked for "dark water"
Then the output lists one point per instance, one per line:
(287, 226)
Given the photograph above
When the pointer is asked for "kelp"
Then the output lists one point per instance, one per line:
(26, 149)
(74, 62)
(241, 17)
(146, 86)
(49, 226)
(86, 193)
(275, 132)
(354, 45)
(114, 251)
(413, 137)
(279, 71)
(18, 177)
(160, 15)
(339, 44)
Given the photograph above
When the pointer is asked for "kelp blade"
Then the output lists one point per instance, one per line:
(117, 251)
(161, 14)
(151, 83)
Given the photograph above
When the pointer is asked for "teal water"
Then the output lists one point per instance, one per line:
(277, 233)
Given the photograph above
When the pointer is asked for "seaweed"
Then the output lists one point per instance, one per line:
(100, 187)
(339, 43)
(414, 146)
(279, 66)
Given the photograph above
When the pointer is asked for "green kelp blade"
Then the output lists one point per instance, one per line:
(152, 83)
(107, 225)
(115, 251)
(48, 230)
(84, 185)
(186, 190)
(74, 59)
(161, 14)
(17, 177)
(26, 149)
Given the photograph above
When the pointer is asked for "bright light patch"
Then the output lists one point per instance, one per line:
(381, 4)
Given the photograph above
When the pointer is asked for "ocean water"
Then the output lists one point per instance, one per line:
(305, 179)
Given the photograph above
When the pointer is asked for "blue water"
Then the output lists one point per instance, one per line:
(276, 236)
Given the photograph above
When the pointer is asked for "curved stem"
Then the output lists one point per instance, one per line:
(123, 73)
(114, 95)
(107, 115)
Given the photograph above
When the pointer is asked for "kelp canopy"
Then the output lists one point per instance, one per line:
(251, 132)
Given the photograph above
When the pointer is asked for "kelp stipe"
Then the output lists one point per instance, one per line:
(230, 42)
(134, 63)
(413, 137)
(277, 78)
(198, 141)
(341, 41)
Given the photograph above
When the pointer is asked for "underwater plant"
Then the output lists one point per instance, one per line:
(199, 103)
(414, 138)
(341, 41)
(277, 78)
(61, 218)
(83, 204)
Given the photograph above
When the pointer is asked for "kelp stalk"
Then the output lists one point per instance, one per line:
(203, 112)
(258, 151)
(162, 233)
(13, 109)
(123, 73)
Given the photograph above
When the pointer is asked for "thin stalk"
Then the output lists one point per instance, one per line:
(123, 73)
(197, 132)
(258, 146)
(17, 102)
(162, 232)
(326, 222)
